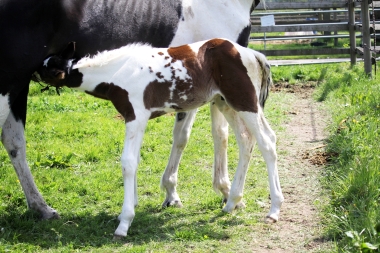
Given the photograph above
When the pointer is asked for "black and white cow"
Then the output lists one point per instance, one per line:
(144, 82)
(31, 30)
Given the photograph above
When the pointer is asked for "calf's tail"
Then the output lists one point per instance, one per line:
(266, 81)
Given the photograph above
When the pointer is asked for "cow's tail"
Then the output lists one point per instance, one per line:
(266, 81)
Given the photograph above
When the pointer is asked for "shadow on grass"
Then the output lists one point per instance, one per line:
(332, 84)
(79, 231)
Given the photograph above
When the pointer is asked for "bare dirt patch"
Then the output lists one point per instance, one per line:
(301, 156)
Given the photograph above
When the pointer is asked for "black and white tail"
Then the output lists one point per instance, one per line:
(266, 78)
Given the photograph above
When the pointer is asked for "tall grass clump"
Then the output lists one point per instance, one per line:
(353, 177)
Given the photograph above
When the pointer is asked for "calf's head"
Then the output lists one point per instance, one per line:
(57, 70)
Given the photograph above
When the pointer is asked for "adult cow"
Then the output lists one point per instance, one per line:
(31, 30)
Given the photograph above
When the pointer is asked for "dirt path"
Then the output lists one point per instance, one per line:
(300, 150)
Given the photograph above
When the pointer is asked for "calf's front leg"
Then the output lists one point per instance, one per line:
(129, 161)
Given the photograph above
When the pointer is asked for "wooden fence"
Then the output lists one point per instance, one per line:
(331, 17)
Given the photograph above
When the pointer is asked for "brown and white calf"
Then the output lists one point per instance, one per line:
(144, 82)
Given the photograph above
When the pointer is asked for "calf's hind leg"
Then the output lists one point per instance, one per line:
(266, 141)
(246, 142)
(220, 180)
(181, 134)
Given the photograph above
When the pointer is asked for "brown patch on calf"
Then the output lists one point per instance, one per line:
(160, 53)
(181, 53)
(156, 114)
(156, 94)
(190, 61)
(119, 98)
(159, 75)
(230, 74)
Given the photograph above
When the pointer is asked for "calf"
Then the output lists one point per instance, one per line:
(144, 82)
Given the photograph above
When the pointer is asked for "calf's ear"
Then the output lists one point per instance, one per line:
(68, 52)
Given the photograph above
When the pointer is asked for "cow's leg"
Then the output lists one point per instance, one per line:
(221, 181)
(181, 134)
(129, 161)
(245, 142)
(266, 140)
(13, 140)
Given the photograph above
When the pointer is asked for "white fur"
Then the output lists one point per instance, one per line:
(4, 108)
(46, 62)
(212, 19)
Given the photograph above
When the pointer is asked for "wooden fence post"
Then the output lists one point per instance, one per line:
(366, 41)
(351, 27)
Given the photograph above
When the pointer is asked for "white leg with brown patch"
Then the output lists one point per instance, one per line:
(221, 181)
(13, 140)
(181, 134)
(266, 141)
(129, 161)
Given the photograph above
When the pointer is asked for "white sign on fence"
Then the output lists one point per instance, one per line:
(267, 20)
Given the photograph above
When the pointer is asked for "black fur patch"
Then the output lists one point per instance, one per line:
(181, 116)
(244, 36)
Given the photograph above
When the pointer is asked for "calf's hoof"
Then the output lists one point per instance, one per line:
(228, 208)
(118, 237)
(271, 219)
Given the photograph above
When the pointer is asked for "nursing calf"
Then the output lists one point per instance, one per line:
(144, 82)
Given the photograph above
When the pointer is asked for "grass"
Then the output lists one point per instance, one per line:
(74, 143)
(352, 178)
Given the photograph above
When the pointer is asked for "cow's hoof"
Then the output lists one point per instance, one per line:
(175, 203)
(49, 214)
(240, 205)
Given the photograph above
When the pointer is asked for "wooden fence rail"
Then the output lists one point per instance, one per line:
(316, 16)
